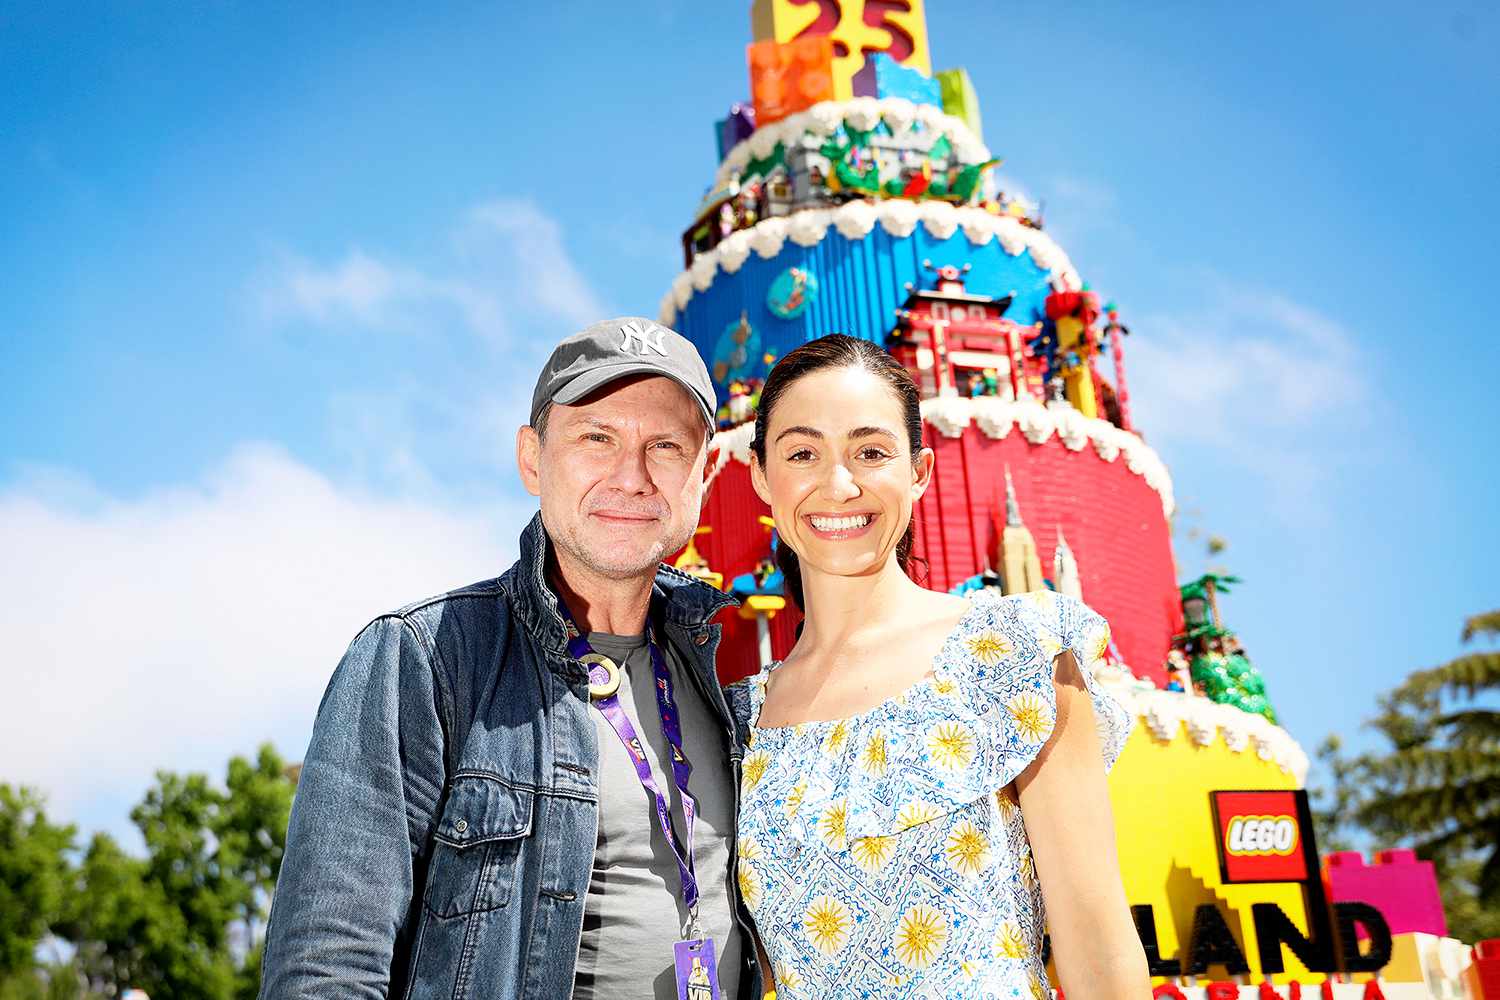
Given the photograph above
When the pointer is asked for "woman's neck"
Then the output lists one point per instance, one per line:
(840, 609)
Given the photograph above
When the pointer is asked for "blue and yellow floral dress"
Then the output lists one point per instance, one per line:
(878, 854)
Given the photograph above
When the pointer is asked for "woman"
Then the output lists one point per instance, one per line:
(923, 771)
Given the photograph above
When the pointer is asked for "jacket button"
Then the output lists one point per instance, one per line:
(461, 826)
(700, 638)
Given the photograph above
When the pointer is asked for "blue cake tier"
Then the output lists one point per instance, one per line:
(847, 284)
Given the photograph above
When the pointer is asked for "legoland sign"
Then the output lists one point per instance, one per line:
(1263, 837)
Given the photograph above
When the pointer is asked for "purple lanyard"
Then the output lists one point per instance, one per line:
(671, 727)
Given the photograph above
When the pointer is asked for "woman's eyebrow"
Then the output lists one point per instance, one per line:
(860, 432)
(811, 432)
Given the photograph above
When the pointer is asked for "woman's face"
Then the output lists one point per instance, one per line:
(839, 473)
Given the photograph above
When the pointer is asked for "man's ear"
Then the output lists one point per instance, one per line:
(710, 470)
(758, 480)
(528, 459)
(922, 473)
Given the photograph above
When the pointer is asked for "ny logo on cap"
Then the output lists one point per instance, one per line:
(634, 335)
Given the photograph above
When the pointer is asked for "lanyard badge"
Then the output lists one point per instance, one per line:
(697, 971)
(694, 960)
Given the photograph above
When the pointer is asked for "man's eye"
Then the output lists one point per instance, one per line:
(602, 438)
(669, 444)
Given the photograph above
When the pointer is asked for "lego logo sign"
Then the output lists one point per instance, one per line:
(1260, 836)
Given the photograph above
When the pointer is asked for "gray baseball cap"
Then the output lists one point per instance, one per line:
(616, 348)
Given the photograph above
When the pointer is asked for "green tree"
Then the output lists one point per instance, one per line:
(180, 818)
(1436, 785)
(1335, 805)
(50, 981)
(251, 830)
(184, 921)
(33, 877)
(125, 929)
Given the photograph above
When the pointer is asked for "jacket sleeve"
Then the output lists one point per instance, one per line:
(345, 904)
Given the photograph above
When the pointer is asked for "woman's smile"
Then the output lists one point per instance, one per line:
(839, 527)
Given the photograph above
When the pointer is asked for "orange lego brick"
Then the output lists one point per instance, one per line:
(789, 77)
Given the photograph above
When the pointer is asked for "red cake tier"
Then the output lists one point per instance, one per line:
(1111, 517)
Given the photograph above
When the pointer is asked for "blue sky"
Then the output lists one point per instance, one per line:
(275, 279)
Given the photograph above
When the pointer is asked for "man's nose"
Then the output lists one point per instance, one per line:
(840, 485)
(630, 473)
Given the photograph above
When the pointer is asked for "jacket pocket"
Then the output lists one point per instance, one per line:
(483, 829)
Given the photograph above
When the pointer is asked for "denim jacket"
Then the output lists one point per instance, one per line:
(442, 837)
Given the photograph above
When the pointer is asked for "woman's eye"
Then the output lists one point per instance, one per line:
(873, 454)
(800, 455)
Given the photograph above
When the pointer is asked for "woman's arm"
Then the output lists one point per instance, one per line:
(1065, 803)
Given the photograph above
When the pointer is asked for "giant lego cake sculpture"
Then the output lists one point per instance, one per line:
(855, 193)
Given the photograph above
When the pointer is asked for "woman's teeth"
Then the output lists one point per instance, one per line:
(840, 523)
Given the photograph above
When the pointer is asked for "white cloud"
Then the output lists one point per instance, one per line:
(510, 266)
(1083, 195)
(532, 246)
(1243, 364)
(181, 627)
(489, 304)
(364, 291)
(360, 285)
(1257, 386)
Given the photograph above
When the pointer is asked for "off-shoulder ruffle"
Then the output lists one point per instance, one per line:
(963, 733)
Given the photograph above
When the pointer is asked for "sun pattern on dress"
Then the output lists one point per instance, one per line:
(827, 923)
(882, 856)
(1009, 942)
(871, 853)
(920, 935)
(794, 798)
(873, 758)
(836, 737)
(968, 848)
(915, 813)
(951, 745)
(749, 882)
(834, 825)
(754, 769)
(1032, 716)
(1101, 644)
(1026, 868)
(989, 647)
(787, 976)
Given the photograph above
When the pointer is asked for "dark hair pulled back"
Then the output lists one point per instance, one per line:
(837, 350)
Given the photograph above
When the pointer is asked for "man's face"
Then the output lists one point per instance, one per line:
(620, 475)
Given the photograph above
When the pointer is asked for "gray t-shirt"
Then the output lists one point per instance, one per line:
(634, 913)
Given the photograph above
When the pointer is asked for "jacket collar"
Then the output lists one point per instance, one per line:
(676, 597)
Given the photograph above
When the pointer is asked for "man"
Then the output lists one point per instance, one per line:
(483, 808)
